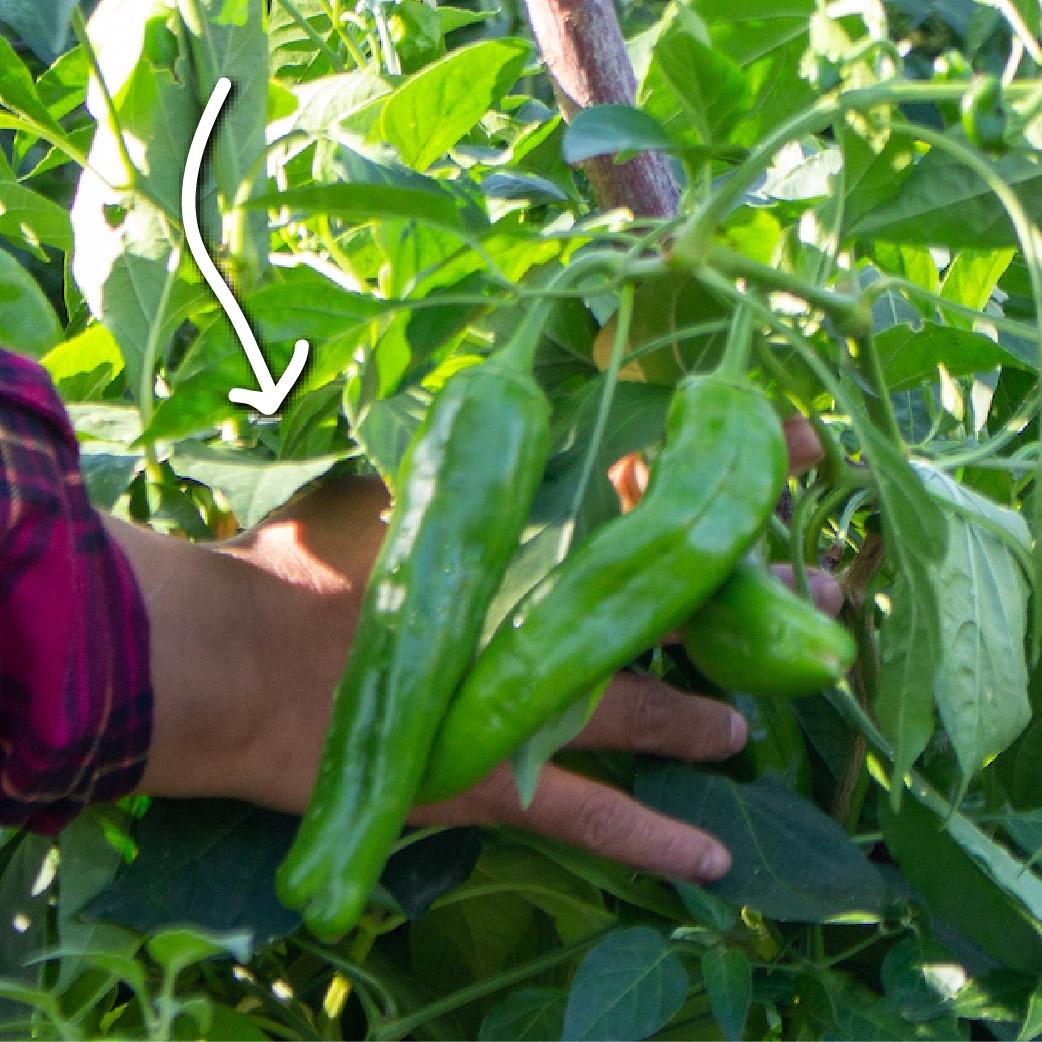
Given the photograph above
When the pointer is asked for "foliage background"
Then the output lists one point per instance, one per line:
(391, 181)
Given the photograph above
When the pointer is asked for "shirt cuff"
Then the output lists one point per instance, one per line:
(75, 685)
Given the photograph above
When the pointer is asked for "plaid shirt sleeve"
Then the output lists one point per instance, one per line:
(75, 689)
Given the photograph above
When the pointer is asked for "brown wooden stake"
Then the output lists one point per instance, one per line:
(582, 45)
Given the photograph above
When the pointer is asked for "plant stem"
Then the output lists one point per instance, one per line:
(611, 379)
(315, 37)
(880, 407)
(848, 312)
(79, 27)
(398, 1027)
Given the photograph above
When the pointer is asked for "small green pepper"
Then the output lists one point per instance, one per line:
(983, 114)
(754, 634)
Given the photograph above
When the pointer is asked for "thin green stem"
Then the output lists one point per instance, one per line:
(306, 27)
(146, 386)
(79, 27)
(880, 407)
(611, 379)
(735, 362)
(400, 1026)
(848, 312)
(345, 37)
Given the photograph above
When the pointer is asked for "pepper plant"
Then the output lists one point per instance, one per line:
(395, 183)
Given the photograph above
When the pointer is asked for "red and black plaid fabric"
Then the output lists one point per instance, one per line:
(75, 688)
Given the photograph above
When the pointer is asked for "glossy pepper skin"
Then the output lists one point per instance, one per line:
(466, 485)
(710, 494)
(754, 634)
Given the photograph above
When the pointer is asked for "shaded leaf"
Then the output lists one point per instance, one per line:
(527, 1015)
(28, 323)
(790, 860)
(208, 863)
(956, 890)
(728, 980)
(418, 874)
(627, 987)
(604, 129)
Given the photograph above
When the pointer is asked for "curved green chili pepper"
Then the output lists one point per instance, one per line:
(466, 486)
(711, 492)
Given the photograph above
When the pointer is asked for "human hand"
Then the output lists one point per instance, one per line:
(636, 714)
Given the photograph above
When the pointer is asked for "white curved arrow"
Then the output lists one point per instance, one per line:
(271, 394)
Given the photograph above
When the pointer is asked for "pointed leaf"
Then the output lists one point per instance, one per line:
(728, 978)
(604, 129)
(432, 110)
(628, 987)
(791, 861)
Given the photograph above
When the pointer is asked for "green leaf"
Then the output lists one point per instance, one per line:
(790, 860)
(42, 24)
(849, 1012)
(532, 754)
(362, 203)
(1032, 1025)
(87, 864)
(972, 277)
(178, 948)
(432, 110)
(387, 427)
(125, 244)
(981, 685)
(526, 1015)
(604, 129)
(692, 87)
(254, 487)
(910, 357)
(29, 219)
(574, 903)
(943, 203)
(470, 938)
(921, 978)
(207, 863)
(627, 987)
(728, 980)
(17, 90)
(27, 320)
(707, 909)
(956, 890)
(83, 367)
(766, 39)
(910, 636)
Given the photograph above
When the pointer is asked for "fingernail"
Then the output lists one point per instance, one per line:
(716, 863)
(739, 733)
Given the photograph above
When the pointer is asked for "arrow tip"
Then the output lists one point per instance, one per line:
(269, 400)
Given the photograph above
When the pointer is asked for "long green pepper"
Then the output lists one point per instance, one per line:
(633, 580)
(466, 486)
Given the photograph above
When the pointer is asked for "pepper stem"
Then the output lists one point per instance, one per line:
(519, 351)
